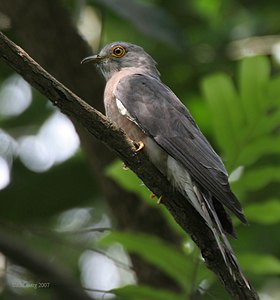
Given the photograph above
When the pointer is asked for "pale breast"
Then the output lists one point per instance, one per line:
(117, 114)
(113, 112)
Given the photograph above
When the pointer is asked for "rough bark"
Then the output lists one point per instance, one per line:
(104, 130)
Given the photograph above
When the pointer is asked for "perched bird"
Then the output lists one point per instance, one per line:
(153, 117)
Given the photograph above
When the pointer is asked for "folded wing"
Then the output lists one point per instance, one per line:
(162, 116)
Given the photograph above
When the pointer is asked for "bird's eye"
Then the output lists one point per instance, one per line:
(118, 51)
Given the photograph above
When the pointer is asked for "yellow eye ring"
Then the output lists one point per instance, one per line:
(118, 51)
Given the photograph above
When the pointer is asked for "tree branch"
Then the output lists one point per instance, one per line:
(98, 125)
(131, 213)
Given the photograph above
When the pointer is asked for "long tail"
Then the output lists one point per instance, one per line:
(210, 216)
(209, 211)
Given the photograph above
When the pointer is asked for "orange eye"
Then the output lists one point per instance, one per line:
(118, 51)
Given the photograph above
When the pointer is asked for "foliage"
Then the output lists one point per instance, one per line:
(59, 209)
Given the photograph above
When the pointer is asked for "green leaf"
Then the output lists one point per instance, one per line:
(267, 212)
(127, 179)
(134, 292)
(253, 82)
(253, 151)
(258, 178)
(260, 264)
(267, 124)
(220, 96)
(274, 91)
(156, 251)
(271, 115)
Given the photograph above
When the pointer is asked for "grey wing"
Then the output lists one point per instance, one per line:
(161, 115)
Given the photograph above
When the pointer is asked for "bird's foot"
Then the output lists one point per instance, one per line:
(140, 145)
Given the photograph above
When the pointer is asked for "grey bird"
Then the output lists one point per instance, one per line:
(152, 116)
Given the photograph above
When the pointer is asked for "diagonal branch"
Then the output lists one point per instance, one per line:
(98, 125)
(131, 213)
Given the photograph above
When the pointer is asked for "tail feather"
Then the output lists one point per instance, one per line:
(224, 218)
(213, 222)
(213, 213)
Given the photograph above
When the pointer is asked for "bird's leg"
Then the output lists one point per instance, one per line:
(140, 145)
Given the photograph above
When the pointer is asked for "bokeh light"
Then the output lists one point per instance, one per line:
(15, 96)
(55, 142)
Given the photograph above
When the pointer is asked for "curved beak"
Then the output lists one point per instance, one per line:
(94, 59)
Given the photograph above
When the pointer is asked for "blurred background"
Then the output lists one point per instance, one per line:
(65, 197)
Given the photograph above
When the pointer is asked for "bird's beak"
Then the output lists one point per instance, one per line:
(94, 59)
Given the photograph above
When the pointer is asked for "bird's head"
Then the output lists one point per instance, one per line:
(119, 55)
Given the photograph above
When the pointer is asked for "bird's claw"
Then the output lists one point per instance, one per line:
(140, 145)
(125, 167)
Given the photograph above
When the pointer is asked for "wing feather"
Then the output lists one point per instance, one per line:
(161, 115)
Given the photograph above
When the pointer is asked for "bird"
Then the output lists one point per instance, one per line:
(153, 117)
